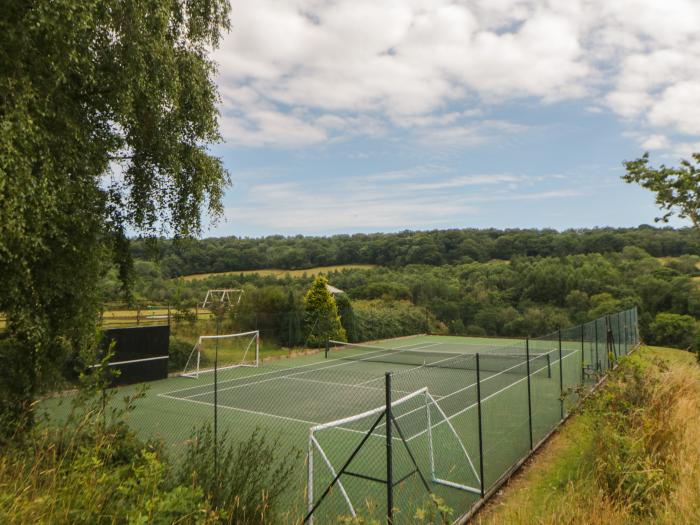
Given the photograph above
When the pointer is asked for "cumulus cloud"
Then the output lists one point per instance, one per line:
(313, 71)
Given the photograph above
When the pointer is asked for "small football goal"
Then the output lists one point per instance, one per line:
(223, 352)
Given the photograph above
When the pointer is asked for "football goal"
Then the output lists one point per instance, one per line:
(223, 352)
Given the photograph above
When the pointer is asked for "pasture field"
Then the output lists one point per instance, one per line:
(310, 272)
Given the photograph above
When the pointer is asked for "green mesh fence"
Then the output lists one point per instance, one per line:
(465, 412)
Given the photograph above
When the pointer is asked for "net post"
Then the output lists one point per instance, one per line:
(481, 434)
(328, 347)
(583, 360)
(389, 453)
(529, 392)
(168, 314)
(549, 365)
(561, 378)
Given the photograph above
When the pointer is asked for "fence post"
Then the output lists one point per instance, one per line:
(597, 358)
(389, 454)
(529, 394)
(481, 435)
(216, 415)
(583, 360)
(561, 379)
(619, 335)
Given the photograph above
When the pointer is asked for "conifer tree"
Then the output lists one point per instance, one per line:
(321, 316)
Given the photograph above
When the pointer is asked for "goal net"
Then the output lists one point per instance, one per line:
(223, 352)
(345, 454)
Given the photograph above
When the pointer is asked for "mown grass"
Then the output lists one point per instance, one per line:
(631, 457)
(309, 272)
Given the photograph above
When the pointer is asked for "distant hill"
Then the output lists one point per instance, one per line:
(437, 247)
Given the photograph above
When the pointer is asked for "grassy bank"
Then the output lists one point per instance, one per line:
(632, 456)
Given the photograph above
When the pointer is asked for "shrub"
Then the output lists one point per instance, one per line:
(251, 474)
(180, 351)
(380, 319)
(84, 472)
(680, 331)
(633, 450)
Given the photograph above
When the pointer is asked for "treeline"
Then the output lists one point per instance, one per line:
(436, 247)
(526, 296)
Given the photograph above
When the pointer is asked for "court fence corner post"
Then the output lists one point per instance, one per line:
(389, 453)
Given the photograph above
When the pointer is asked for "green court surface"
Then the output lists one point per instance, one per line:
(437, 428)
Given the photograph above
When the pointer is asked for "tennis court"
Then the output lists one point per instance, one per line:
(458, 425)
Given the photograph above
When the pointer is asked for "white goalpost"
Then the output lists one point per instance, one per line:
(421, 412)
(223, 352)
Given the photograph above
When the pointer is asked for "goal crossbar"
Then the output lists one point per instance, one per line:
(315, 445)
(201, 362)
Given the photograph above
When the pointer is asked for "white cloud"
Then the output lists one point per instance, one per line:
(656, 142)
(679, 107)
(314, 71)
(382, 201)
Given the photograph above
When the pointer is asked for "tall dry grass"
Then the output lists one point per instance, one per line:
(632, 456)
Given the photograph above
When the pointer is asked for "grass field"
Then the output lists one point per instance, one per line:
(287, 397)
(281, 273)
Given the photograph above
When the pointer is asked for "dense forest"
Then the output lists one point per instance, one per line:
(497, 283)
(410, 247)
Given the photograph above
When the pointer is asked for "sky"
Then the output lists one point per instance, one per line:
(362, 115)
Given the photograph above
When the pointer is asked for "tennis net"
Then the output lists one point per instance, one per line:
(505, 363)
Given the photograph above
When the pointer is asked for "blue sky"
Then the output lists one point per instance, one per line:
(361, 116)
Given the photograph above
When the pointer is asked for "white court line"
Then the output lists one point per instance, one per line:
(472, 385)
(349, 385)
(486, 398)
(281, 370)
(286, 376)
(240, 410)
(188, 398)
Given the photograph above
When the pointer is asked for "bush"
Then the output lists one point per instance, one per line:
(251, 476)
(633, 450)
(180, 351)
(380, 319)
(84, 472)
(680, 331)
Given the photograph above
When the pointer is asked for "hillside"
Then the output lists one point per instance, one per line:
(436, 247)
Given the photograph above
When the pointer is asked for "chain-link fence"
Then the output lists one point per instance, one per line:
(397, 430)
